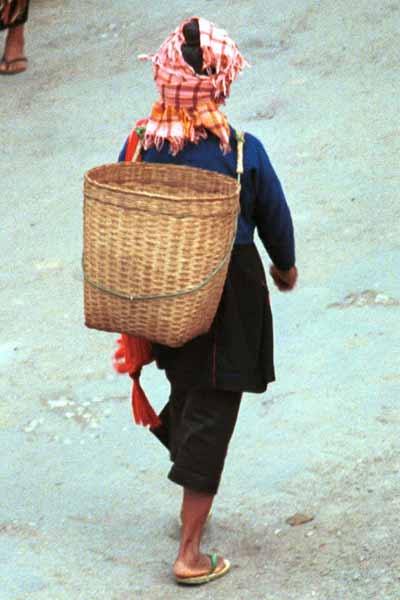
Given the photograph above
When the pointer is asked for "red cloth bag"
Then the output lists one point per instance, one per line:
(133, 353)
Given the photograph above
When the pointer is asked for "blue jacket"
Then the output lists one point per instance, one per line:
(263, 203)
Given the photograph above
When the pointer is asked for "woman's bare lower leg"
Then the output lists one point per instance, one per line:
(14, 47)
(190, 561)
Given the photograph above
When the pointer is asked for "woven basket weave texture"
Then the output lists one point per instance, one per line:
(153, 230)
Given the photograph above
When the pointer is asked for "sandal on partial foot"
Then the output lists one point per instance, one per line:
(10, 67)
(212, 574)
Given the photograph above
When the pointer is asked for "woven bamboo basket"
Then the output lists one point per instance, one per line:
(157, 243)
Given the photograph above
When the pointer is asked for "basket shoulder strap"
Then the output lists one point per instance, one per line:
(240, 143)
(135, 141)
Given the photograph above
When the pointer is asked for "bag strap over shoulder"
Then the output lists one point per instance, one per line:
(135, 142)
(240, 143)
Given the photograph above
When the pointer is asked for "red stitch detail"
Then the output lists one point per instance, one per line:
(214, 366)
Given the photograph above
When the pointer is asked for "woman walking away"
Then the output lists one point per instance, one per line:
(13, 16)
(193, 70)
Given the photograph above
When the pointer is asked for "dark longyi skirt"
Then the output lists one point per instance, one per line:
(13, 14)
(237, 353)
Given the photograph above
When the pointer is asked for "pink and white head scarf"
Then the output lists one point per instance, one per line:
(185, 95)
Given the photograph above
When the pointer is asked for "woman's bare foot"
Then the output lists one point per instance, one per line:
(190, 562)
(13, 60)
(196, 567)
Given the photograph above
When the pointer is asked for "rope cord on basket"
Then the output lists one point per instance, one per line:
(239, 170)
(161, 296)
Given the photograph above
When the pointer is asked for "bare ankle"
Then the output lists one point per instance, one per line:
(15, 42)
(189, 555)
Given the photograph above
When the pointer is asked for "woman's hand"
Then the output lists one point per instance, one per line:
(285, 281)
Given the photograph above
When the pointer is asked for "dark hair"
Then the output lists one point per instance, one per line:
(191, 51)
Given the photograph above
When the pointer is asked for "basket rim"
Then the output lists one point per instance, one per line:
(233, 183)
(179, 216)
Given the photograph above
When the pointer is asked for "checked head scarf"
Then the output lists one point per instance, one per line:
(188, 104)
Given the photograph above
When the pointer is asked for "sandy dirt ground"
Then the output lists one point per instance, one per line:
(86, 511)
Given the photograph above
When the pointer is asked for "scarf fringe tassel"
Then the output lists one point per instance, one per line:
(130, 356)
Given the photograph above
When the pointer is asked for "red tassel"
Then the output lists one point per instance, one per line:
(143, 412)
(130, 356)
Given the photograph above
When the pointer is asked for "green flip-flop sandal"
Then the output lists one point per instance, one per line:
(212, 574)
